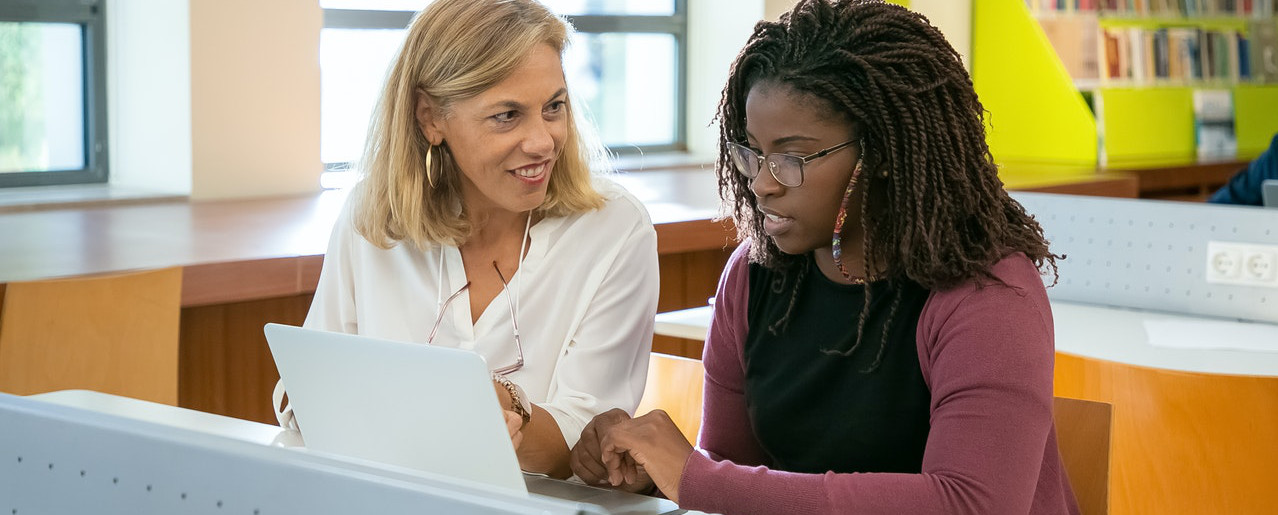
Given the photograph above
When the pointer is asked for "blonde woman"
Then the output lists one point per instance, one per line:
(479, 225)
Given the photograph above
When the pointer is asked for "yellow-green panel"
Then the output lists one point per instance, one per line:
(1255, 117)
(1036, 115)
(902, 3)
(1147, 125)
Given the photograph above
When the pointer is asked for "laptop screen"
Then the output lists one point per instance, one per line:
(1269, 193)
(418, 406)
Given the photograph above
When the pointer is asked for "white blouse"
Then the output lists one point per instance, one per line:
(587, 292)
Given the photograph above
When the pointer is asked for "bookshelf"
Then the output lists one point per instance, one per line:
(1207, 42)
(1112, 82)
(1148, 8)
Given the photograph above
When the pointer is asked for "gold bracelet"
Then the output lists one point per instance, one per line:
(517, 400)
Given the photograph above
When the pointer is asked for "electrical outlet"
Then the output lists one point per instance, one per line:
(1259, 264)
(1242, 264)
(1224, 262)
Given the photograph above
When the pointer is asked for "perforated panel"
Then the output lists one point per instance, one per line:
(57, 459)
(1151, 254)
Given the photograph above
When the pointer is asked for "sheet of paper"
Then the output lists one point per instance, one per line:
(1212, 334)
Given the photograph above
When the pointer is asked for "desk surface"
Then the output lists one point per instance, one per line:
(1110, 334)
(173, 416)
(261, 248)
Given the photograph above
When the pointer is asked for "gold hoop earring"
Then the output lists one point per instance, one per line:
(430, 177)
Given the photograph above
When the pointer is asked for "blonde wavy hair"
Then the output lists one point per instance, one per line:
(454, 50)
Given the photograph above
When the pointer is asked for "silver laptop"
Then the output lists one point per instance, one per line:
(1269, 192)
(416, 406)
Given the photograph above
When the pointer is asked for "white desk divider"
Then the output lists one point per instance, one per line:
(62, 459)
(1152, 254)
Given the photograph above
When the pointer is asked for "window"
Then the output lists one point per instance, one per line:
(52, 94)
(625, 63)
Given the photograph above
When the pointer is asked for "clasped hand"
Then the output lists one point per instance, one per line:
(514, 422)
(633, 454)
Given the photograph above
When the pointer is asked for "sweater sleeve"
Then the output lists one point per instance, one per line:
(1244, 187)
(725, 427)
(986, 353)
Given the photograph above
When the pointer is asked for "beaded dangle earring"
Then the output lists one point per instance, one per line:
(838, 226)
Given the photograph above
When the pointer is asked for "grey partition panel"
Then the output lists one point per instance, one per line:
(62, 460)
(1152, 254)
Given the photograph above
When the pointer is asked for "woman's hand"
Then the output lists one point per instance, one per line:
(514, 424)
(652, 443)
(586, 461)
(546, 453)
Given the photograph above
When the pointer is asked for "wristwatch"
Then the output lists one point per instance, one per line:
(519, 402)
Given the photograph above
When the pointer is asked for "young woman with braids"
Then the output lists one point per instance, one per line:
(903, 365)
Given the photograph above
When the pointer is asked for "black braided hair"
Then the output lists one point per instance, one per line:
(933, 209)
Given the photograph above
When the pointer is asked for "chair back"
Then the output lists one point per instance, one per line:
(115, 333)
(675, 385)
(1083, 431)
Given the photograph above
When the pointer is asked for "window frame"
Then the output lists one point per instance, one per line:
(90, 15)
(675, 24)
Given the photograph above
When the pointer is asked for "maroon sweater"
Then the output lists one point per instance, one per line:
(986, 353)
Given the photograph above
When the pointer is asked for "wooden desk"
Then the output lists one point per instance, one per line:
(1072, 180)
(685, 323)
(1194, 429)
(250, 262)
(230, 251)
(1180, 181)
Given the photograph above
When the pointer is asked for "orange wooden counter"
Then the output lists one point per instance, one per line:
(249, 262)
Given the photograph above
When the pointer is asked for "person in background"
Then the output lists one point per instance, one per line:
(881, 341)
(478, 224)
(1245, 187)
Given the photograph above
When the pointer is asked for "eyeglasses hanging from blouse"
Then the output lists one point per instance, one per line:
(514, 322)
(513, 303)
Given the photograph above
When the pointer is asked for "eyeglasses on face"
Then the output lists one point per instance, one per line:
(514, 322)
(787, 169)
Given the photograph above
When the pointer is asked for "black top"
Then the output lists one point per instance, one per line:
(815, 412)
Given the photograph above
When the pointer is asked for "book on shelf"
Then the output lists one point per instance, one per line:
(1143, 56)
(1159, 8)
(1162, 66)
(1263, 51)
(1214, 124)
(1145, 42)
(1184, 45)
(1244, 58)
(1075, 40)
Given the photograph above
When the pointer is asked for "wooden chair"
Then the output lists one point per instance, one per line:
(1083, 435)
(675, 385)
(114, 333)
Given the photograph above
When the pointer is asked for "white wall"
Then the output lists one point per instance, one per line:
(149, 94)
(773, 9)
(717, 29)
(255, 91)
(952, 17)
(214, 98)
